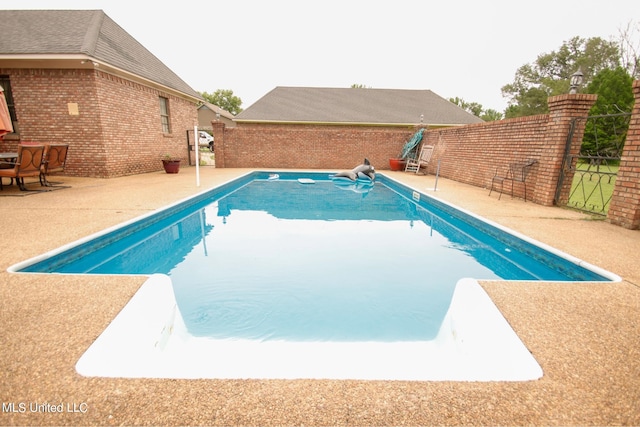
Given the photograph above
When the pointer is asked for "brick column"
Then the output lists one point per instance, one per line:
(562, 110)
(625, 203)
(218, 143)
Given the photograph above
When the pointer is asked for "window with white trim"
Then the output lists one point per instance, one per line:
(164, 114)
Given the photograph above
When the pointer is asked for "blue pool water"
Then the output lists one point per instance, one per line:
(265, 259)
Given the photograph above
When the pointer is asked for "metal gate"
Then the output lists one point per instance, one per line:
(206, 156)
(594, 170)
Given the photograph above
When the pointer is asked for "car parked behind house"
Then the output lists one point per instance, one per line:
(205, 140)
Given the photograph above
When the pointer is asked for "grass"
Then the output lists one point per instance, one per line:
(592, 187)
(207, 157)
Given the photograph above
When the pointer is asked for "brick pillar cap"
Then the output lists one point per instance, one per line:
(573, 97)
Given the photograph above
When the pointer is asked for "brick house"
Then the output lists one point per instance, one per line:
(208, 113)
(76, 77)
(311, 127)
(355, 106)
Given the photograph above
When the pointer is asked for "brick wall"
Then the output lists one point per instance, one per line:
(625, 203)
(307, 146)
(474, 154)
(117, 130)
(563, 110)
(469, 154)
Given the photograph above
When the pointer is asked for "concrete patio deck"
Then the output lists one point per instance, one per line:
(585, 336)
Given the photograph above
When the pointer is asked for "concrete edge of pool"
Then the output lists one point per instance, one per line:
(572, 259)
(234, 351)
(147, 339)
(16, 268)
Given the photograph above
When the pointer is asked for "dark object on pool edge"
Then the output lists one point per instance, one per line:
(364, 170)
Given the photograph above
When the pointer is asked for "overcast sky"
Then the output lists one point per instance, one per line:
(467, 49)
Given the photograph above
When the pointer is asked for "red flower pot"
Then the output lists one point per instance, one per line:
(397, 164)
(171, 166)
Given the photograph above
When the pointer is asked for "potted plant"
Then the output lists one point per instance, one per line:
(170, 164)
(399, 163)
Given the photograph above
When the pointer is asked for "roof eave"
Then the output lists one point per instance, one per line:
(217, 110)
(324, 123)
(320, 123)
(81, 61)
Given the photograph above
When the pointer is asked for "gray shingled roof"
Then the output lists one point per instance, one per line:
(351, 105)
(216, 109)
(88, 32)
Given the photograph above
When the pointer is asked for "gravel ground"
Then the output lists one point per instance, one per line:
(584, 336)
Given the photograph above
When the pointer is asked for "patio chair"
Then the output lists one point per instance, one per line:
(497, 179)
(28, 163)
(414, 164)
(55, 158)
(516, 172)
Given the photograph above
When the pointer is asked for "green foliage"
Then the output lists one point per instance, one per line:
(531, 101)
(359, 86)
(605, 136)
(225, 99)
(550, 73)
(490, 115)
(477, 109)
(615, 92)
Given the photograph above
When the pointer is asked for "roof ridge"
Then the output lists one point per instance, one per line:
(62, 34)
(90, 40)
(379, 89)
(382, 106)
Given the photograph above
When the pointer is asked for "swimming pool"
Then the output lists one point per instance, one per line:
(347, 286)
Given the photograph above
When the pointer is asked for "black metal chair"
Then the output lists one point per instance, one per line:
(497, 179)
(517, 172)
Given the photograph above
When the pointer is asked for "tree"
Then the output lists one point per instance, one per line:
(477, 109)
(605, 136)
(225, 99)
(551, 72)
(490, 115)
(629, 41)
(359, 86)
(531, 101)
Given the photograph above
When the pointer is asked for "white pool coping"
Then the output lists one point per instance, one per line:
(148, 339)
